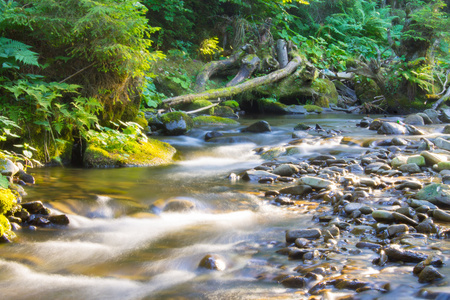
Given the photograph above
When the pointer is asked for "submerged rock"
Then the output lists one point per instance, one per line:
(177, 205)
(258, 127)
(396, 254)
(212, 262)
(429, 274)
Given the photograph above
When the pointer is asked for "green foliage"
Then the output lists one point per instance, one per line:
(210, 47)
(13, 53)
(152, 98)
(7, 200)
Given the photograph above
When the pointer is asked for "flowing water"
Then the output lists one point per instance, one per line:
(118, 247)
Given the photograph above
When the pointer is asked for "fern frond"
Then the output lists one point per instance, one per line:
(19, 51)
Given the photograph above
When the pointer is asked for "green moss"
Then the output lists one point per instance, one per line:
(4, 225)
(141, 120)
(271, 107)
(197, 104)
(232, 104)
(224, 111)
(211, 120)
(313, 108)
(149, 153)
(326, 90)
(366, 89)
(177, 116)
(7, 200)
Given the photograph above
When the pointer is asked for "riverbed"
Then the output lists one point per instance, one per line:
(120, 245)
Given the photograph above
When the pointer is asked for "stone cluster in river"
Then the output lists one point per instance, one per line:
(394, 196)
(27, 214)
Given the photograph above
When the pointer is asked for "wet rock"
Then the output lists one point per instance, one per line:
(446, 129)
(432, 158)
(33, 207)
(255, 175)
(296, 253)
(302, 243)
(404, 219)
(273, 153)
(445, 115)
(351, 284)
(410, 168)
(395, 230)
(395, 253)
(442, 143)
(178, 205)
(429, 274)
(294, 282)
(59, 220)
(391, 128)
(365, 122)
(316, 182)
(383, 216)
(367, 245)
(176, 123)
(351, 207)
(310, 234)
(410, 184)
(435, 193)
(433, 115)
(285, 170)
(212, 134)
(258, 127)
(297, 190)
(426, 118)
(415, 131)
(414, 120)
(426, 226)
(418, 203)
(310, 255)
(443, 165)
(355, 168)
(399, 161)
(38, 221)
(441, 215)
(212, 262)
(284, 201)
(416, 159)
(302, 126)
(375, 167)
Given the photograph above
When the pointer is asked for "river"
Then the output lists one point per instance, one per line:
(118, 247)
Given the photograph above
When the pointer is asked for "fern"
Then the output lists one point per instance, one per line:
(17, 50)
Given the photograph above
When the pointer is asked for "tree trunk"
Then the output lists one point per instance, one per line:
(213, 67)
(282, 53)
(248, 85)
(249, 64)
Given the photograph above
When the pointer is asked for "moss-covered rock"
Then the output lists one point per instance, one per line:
(213, 120)
(176, 123)
(270, 106)
(224, 111)
(313, 108)
(197, 104)
(326, 91)
(134, 153)
(366, 89)
(141, 120)
(231, 104)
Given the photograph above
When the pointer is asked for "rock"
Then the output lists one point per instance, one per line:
(316, 182)
(394, 254)
(294, 282)
(365, 122)
(310, 234)
(404, 219)
(284, 200)
(383, 216)
(212, 262)
(432, 158)
(395, 230)
(177, 205)
(375, 167)
(295, 109)
(355, 168)
(414, 120)
(410, 184)
(433, 115)
(295, 253)
(176, 123)
(296, 190)
(212, 134)
(367, 245)
(391, 128)
(399, 161)
(442, 143)
(446, 129)
(7, 167)
(230, 140)
(258, 127)
(59, 220)
(302, 243)
(256, 175)
(273, 153)
(415, 131)
(416, 159)
(443, 165)
(33, 207)
(410, 168)
(436, 193)
(418, 203)
(426, 118)
(445, 115)
(441, 215)
(301, 126)
(397, 141)
(351, 207)
(285, 170)
(426, 226)
(429, 274)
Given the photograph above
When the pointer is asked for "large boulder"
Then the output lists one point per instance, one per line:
(392, 128)
(7, 167)
(258, 127)
(433, 115)
(442, 143)
(414, 119)
(176, 123)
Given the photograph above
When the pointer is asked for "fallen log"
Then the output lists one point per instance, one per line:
(442, 99)
(245, 86)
